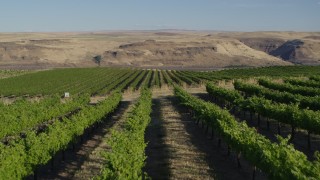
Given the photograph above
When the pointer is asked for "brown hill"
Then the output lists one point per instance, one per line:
(216, 53)
(176, 49)
(263, 44)
(295, 47)
(297, 51)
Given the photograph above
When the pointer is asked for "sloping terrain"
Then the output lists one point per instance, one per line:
(288, 50)
(162, 49)
(214, 53)
(304, 50)
(263, 44)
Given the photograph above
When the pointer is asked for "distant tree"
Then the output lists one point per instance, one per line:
(97, 59)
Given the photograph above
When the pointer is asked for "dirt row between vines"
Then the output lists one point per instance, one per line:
(177, 147)
(300, 140)
(85, 162)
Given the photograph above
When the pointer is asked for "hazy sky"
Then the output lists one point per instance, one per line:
(92, 15)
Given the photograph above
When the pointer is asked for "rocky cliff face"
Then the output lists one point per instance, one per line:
(159, 50)
(10, 51)
(151, 52)
(176, 50)
(218, 53)
(289, 51)
(296, 51)
(263, 44)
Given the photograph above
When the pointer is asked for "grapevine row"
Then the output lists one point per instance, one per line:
(175, 79)
(305, 102)
(288, 114)
(315, 78)
(138, 81)
(167, 78)
(192, 77)
(60, 81)
(156, 79)
(278, 160)
(22, 157)
(127, 156)
(117, 81)
(305, 91)
(183, 78)
(23, 115)
(309, 83)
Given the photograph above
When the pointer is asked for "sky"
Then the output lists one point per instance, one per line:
(219, 15)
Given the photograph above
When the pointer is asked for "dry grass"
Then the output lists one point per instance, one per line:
(77, 49)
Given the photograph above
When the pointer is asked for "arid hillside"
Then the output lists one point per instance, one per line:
(213, 53)
(162, 49)
(298, 48)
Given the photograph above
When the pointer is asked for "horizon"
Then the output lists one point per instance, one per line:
(157, 30)
(146, 15)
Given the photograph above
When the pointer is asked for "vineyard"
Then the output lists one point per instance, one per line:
(126, 123)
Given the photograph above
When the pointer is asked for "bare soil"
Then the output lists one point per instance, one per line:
(176, 49)
(180, 149)
(93, 164)
(85, 161)
(300, 140)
